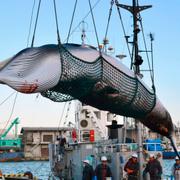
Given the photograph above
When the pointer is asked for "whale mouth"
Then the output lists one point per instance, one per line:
(4, 63)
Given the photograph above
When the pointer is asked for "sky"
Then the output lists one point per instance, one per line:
(162, 20)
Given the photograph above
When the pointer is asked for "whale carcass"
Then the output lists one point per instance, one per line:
(71, 71)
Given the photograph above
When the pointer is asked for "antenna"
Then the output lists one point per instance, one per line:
(135, 9)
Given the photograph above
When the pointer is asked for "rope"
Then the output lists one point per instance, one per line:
(30, 25)
(62, 115)
(72, 21)
(32, 43)
(67, 112)
(57, 27)
(91, 10)
(124, 32)
(6, 98)
(110, 12)
(12, 110)
(83, 18)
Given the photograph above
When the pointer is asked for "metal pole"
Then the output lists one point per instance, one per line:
(140, 149)
(137, 71)
(135, 40)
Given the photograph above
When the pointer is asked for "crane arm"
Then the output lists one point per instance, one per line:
(14, 122)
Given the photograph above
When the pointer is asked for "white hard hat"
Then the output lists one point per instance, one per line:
(135, 155)
(103, 158)
(176, 158)
(151, 155)
(86, 161)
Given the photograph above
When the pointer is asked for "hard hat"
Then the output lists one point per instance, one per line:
(135, 155)
(151, 155)
(176, 158)
(86, 161)
(103, 158)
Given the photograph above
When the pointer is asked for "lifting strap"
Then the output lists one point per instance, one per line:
(124, 32)
(76, 27)
(95, 29)
(109, 18)
(30, 24)
(57, 27)
(37, 16)
(72, 20)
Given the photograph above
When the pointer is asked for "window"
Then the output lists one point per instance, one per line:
(85, 135)
(98, 114)
(29, 137)
(47, 138)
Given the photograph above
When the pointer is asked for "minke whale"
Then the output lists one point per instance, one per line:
(71, 71)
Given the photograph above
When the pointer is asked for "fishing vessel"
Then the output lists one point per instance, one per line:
(110, 141)
(113, 145)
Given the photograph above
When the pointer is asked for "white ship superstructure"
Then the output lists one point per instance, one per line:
(91, 119)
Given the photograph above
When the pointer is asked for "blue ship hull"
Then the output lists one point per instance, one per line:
(11, 156)
(169, 154)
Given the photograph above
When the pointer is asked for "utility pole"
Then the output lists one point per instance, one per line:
(137, 61)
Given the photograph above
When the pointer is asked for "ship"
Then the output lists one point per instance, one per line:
(64, 72)
(96, 138)
(98, 133)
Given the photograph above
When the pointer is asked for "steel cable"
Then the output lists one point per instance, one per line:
(94, 24)
(37, 16)
(72, 20)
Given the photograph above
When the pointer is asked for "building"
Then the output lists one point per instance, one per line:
(35, 140)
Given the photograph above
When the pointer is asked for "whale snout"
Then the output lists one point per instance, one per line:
(32, 70)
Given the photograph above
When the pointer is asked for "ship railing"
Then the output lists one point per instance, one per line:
(128, 147)
(114, 147)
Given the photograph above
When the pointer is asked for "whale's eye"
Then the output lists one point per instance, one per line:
(19, 74)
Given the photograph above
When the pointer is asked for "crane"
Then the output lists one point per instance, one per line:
(15, 142)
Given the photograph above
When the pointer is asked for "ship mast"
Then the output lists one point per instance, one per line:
(135, 63)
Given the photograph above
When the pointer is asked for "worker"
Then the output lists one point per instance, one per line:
(132, 167)
(158, 156)
(154, 168)
(62, 142)
(103, 171)
(88, 172)
(28, 174)
(176, 169)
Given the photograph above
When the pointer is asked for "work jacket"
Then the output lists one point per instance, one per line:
(103, 171)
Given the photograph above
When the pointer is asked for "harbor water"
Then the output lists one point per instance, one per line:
(41, 169)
